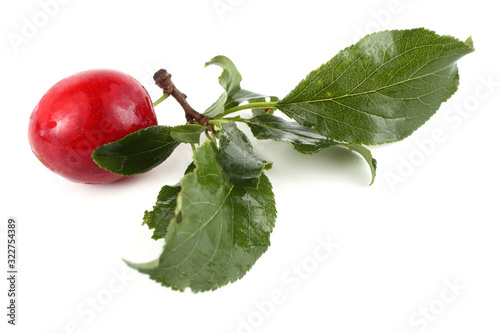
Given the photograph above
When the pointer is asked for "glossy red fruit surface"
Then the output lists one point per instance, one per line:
(82, 112)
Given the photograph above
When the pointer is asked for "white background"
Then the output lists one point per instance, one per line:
(401, 245)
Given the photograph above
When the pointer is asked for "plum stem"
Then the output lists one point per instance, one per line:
(161, 99)
(163, 79)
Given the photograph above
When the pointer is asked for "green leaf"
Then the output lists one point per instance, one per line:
(302, 139)
(190, 168)
(164, 211)
(224, 228)
(238, 159)
(187, 133)
(233, 95)
(367, 155)
(229, 80)
(381, 89)
(138, 152)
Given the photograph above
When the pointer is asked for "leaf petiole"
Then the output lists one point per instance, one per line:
(220, 121)
(209, 137)
(161, 99)
(259, 105)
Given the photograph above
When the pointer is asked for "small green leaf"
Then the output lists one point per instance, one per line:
(381, 89)
(233, 95)
(229, 80)
(301, 138)
(190, 168)
(367, 155)
(187, 133)
(238, 159)
(164, 211)
(138, 152)
(223, 231)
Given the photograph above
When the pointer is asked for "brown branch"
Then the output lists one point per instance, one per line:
(163, 79)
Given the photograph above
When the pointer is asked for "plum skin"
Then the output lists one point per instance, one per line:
(82, 112)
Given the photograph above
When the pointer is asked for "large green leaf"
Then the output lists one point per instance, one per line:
(223, 231)
(381, 89)
(238, 159)
(138, 152)
(301, 138)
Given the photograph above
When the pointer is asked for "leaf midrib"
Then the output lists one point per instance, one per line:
(333, 98)
(204, 225)
(289, 132)
(141, 152)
